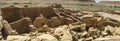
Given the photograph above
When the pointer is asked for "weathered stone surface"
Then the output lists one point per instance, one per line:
(63, 34)
(80, 28)
(11, 14)
(103, 33)
(68, 21)
(8, 29)
(117, 31)
(45, 29)
(110, 29)
(55, 21)
(62, 20)
(88, 39)
(76, 36)
(86, 12)
(111, 23)
(1, 25)
(66, 36)
(58, 31)
(109, 16)
(17, 38)
(99, 21)
(85, 35)
(93, 21)
(82, 39)
(0, 37)
(47, 12)
(108, 38)
(88, 22)
(57, 6)
(40, 22)
(94, 32)
(116, 12)
(32, 28)
(34, 12)
(101, 28)
(22, 25)
(31, 12)
(45, 37)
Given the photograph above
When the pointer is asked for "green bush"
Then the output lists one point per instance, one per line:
(28, 3)
(92, 5)
(111, 6)
(115, 6)
(15, 3)
(118, 6)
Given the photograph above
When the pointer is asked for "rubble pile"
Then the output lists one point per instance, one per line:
(55, 23)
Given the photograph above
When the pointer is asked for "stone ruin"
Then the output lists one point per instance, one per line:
(23, 20)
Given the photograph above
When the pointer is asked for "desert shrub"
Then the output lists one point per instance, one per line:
(82, 4)
(115, 6)
(15, 3)
(91, 4)
(5, 3)
(111, 6)
(28, 3)
(118, 6)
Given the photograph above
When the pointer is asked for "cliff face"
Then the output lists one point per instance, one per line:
(111, 2)
(43, 0)
(87, 0)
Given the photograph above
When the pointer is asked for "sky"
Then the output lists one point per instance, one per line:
(97, 1)
(105, 0)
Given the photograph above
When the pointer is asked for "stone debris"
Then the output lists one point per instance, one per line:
(93, 21)
(79, 28)
(8, 29)
(85, 35)
(108, 38)
(116, 12)
(1, 25)
(45, 28)
(45, 37)
(89, 39)
(17, 38)
(58, 31)
(103, 33)
(55, 23)
(110, 29)
(117, 31)
(94, 32)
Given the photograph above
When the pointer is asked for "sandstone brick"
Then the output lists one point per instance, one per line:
(68, 21)
(40, 22)
(8, 29)
(47, 12)
(31, 12)
(22, 25)
(55, 21)
(10, 14)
